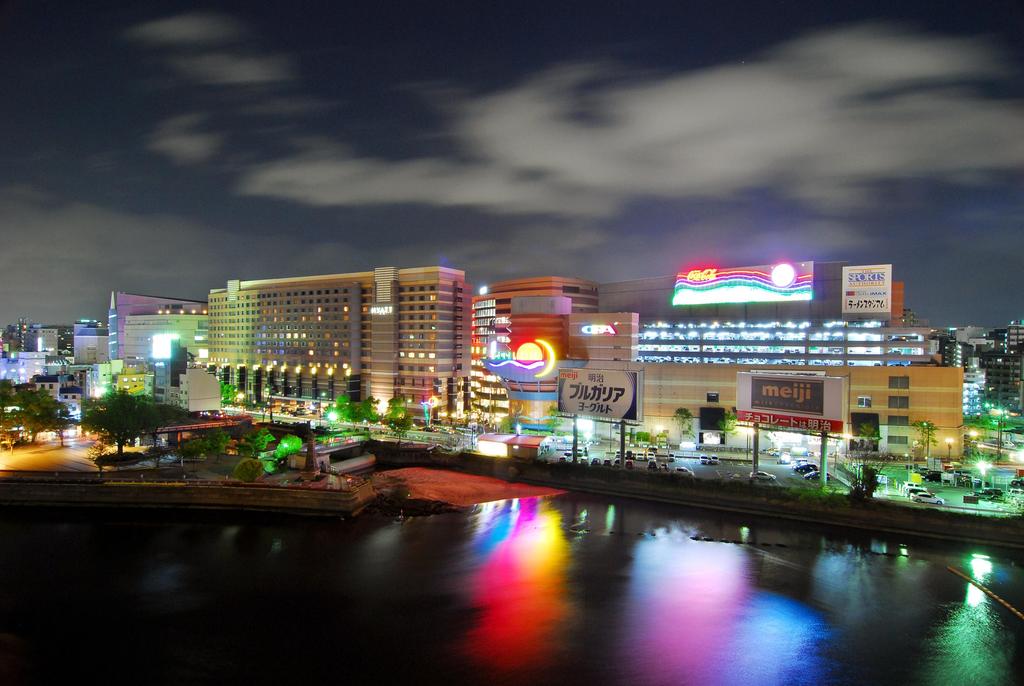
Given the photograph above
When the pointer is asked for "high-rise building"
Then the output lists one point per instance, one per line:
(383, 333)
(54, 339)
(147, 337)
(122, 305)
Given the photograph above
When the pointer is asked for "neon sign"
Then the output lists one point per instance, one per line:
(781, 282)
(598, 330)
(381, 309)
(535, 354)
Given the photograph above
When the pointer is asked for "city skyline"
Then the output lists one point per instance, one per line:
(246, 142)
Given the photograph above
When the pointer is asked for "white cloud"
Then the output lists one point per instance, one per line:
(208, 48)
(824, 119)
(179, 139)
(189, 29)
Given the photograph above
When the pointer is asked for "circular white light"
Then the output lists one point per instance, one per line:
(783, 275)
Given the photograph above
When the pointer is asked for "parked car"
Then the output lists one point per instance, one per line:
(629, 464)
(812, 475)
(652, 465)
(913, 489)
(804, 468)
(785, 458)
(933, 477)
(607, 463)
(596, 462)
(617, 462)
(562, 459)
(926, 497)
(774, 452)
(990, 493)
(684, 471)
(762, 476)
(709, 459)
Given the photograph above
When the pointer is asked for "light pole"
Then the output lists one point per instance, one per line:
(949, 449)
(983, 468)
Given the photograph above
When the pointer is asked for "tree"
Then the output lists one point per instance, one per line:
(192, 450)
(38, 411)
(366, 411)
(120, 417)
(344, 408)
(216, 443)
(684, 418)
(255, 442)
(63, 421)
(288, 445)
(727, 424)
(552, 418)
(248, 469)
(643, 437)
(228, 393)
(868, 433)
(926, 434)
(398, 418)
(9, 420)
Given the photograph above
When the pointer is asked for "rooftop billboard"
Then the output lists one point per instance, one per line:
(782, 282)
(808, 402)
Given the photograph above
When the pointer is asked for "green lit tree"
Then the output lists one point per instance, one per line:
(254, 443)
(397, 418)
(684, 420)
(288, 445)
(867, 433)
(228, 393)
(727, 424)
(552, 418)
(344, 408)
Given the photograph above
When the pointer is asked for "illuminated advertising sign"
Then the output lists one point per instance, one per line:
(612, 394)
(598, 330)
(867, 290)
(537, 356)
(381, 309)
(809, 402)
(162, 345)
(781, 282)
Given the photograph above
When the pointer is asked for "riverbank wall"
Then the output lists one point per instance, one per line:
(346, 501)
(740, 497)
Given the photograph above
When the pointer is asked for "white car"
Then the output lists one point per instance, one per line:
(927, 497)
(709, 459)
(684, 471)
(762, 476)
(913, 489)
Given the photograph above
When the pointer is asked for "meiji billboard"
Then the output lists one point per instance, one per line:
(612, 394)
(867, 291)
(811, 402)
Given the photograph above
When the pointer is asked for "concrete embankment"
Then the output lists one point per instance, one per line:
(347, 500)
(879, 517)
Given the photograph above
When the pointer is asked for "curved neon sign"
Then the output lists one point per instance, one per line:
(535, 354)
(766, 283)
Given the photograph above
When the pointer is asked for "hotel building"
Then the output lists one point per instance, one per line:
(383, 333)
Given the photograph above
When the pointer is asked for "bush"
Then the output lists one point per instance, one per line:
(288, 445)
(248, 470)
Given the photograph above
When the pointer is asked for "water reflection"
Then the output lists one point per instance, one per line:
(519, 590)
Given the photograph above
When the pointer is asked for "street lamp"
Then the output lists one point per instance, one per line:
(983, 467)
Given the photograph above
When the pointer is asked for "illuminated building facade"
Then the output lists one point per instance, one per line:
(383, 333)
(145, 337)
(122, 305)
(787, 313)
(539, 307)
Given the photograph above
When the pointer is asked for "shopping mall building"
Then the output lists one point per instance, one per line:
(383, 333)
(692, 333)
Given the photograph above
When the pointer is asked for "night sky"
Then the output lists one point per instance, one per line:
(165, 147)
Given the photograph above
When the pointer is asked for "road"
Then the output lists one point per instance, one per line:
(49, 456)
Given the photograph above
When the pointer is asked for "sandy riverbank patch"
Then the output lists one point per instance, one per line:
(455, 487)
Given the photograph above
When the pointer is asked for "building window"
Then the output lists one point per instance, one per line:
(899, 382)
(898, 440)
(713, 397)
(899, 402)
(898, 420)
(863, 401)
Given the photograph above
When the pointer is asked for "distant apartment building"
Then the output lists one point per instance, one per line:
(91, 344)
(383, 333)
(53, 339)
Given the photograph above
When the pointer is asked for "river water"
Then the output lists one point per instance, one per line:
(573, 589)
